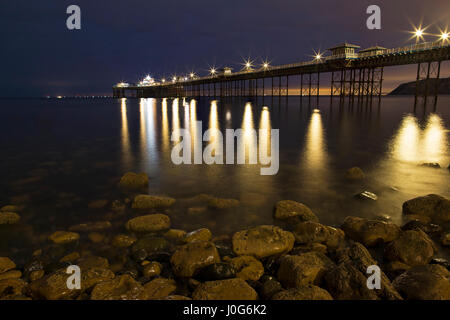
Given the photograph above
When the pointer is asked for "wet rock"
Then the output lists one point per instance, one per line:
(196, 210)
(12, 274)
(309, 292)
(428, 228)
(367, 195)
(287, 209)
(230, 289)
(11, 208)
(269, 288)
(297, 250)
(445, 239)
(198, 235)
(370, 232)
(262, 241)
(10, 287)
(146, 202)
(310, 232)
(354, 173)
(442, 262)
(222, 203)
(96, 237)
(429, 282)
(176, 235)
(304, 269)
(151, 269)
(118, 206)
(91, 226)
(36, 275)
(193, 256)
(160, 288)
(6, 264)
(92, 262)
(432, 206)
(247, 268)
(123, 287)
(133, 181)
(149, 223)
(434, 165)
(123, 241)
(63, 237)
(412, 248)
(151, 244)
(9, 218)
(71, 257)
(216, 271)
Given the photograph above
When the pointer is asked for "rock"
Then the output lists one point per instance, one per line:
(230, 289)
(309, 292)
(146, 202)
(149, 223)
(152, 269)
(262, 241)
(193, 256)
(287, 209)
(367, 195)
(123, 241)
(354, 173)
(297, 250)
(11, 208)
(428, 282)
(118, 206)
(310, 232)
(12, 287)
(12, 274)
(445, 239)
(123, 287)
(63, 237)
(433, 206)
(269, 288)
(216, 271)
(6, 264)
(71, 257)
(160, 288)
(412, 248)
(96, 237)
(370, 232)
(36, 275)
(443, 262)
(196, 210)
(221, 203)
(98, 204)
(247, 268)
(176, 235)
(133, 181)
(434, 165)
(91, 226)
(304, 269)
(198, 235)
(428, 228)
(9, 218)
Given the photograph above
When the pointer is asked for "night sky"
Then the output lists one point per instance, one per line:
(125, 40)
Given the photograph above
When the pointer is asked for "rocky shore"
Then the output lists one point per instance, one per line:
(296, 258)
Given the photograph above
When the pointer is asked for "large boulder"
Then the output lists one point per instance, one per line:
(262, 241)
(133, 181)
(429, 282)
(309, 292)
(149, 223)
(147, 202)
(310, 232)
(286, 209)
(431, 206)
(304, 269)
(123, 287)
(229, 289)
(370, 232)
(191, 257)
(412, 247)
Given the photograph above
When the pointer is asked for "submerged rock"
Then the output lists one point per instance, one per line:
(133, 181)
(309, 292)
(428, 282)
(354, 173)
(247, 268)
(146, 202)
(412, 248)
(123, 287)
(307, 268)
(432, 206)
(287, 209)
(370, 232)
(262, 241)
(91, 226)
(149, 223)
(367, 195)
(9, 218)
(222, 203)
(63, 237)
(193, 256)
(123, 241)
(230, 289)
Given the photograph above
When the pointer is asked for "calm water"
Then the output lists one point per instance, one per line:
(58, 155)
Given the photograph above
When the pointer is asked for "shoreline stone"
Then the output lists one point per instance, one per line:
(133, 181)
(149, 223)
(146, 202)
(286, 209)
(230, 289)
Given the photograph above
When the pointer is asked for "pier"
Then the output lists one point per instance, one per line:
(355, 74)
